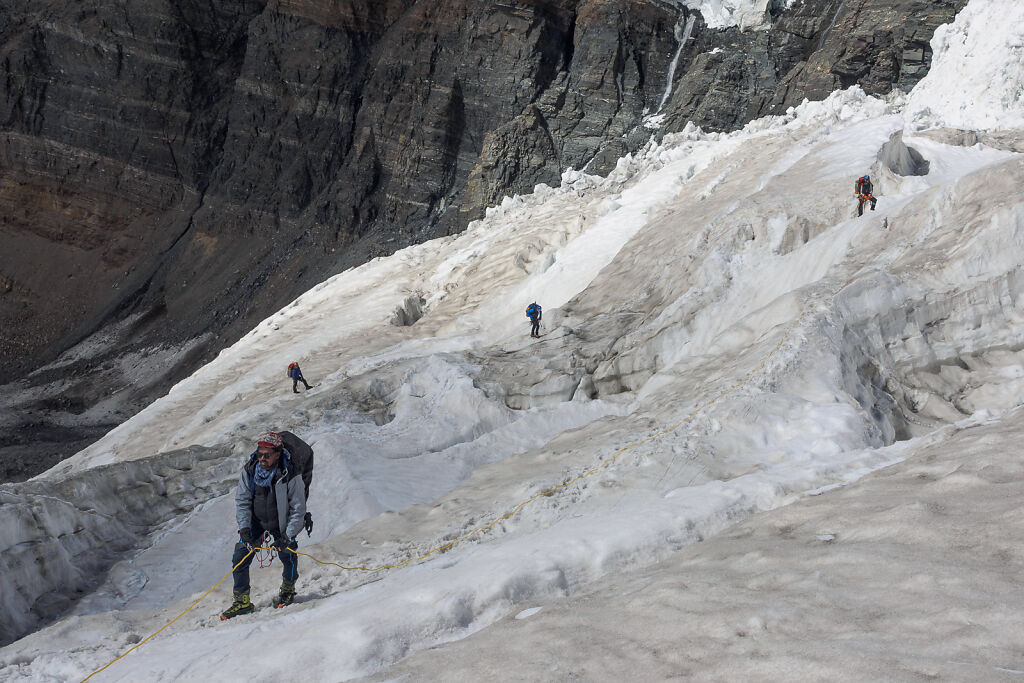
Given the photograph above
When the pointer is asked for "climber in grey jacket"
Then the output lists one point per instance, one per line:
(270, 497)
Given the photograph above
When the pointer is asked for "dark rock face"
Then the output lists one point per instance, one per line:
(173, 171)
(817, 47)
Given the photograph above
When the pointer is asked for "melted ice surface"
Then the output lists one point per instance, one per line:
(724, 340)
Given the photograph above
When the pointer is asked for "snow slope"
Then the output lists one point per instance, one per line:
(975, 82)
(723, 337)
(865, 584)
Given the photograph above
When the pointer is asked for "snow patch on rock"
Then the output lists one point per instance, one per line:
(975, 80)
(747, 14)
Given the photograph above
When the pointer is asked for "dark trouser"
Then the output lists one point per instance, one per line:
(860, 203)
(289, 561)
(535, 330)
(295, 383)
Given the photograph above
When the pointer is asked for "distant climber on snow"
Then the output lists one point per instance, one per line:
(271, 497)
(863, 190)
(534, 313)
(295, 372)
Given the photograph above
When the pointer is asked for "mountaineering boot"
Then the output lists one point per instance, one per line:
(241, 605)
(287, 595)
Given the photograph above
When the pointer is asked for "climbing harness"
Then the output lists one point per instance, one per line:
(507, 515)
(265, 555)
(481, 529)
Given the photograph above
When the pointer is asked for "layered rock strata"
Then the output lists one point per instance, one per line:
(172, 172)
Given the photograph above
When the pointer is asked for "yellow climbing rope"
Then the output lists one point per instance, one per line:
(486, 527)
(547, 492)
(151, 636)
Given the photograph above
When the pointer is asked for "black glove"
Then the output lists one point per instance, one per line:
(281, 543)
(308, 523)
(245, 536)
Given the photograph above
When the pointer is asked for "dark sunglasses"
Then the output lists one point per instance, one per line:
(265, 456)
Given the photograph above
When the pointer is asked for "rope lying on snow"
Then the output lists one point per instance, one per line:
(597, 468)
(486, 527)
(150, 637)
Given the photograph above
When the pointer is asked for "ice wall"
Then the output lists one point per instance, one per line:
(59, 536)
(976, 80)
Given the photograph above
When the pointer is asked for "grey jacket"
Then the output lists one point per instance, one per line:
(289, 490)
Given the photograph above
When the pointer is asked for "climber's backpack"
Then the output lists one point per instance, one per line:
(291, 368)
(532, 311)
(302, 457)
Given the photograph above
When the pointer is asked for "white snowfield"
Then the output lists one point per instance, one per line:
(730, 358)
(747, 14)
(976, 80)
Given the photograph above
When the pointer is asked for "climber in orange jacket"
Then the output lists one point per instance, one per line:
(863, 190)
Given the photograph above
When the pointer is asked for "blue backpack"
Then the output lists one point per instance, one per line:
(533, 311)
